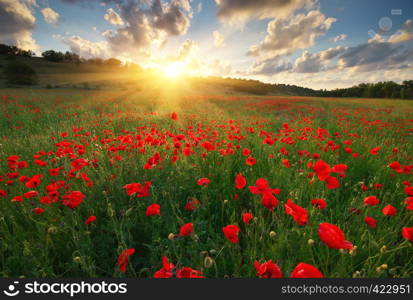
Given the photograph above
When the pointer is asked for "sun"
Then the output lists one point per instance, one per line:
(173, 70)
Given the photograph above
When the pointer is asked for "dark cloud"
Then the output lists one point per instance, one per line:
(17, 23)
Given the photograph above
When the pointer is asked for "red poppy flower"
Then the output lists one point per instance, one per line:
(286, 163)
(33, 182)
(319, 203)
(38, 210)
(371, 200)
(231, 233)
(407, 233)
(203, 181)
(187, 272)
(408, 190)
(375, 151)
(3, 193)
(174, 116)
(333, 237)
(73, 199)
(240, 181)
(153, 209)
(340, 169)
(247, 217)
(186, 229)
(89, 220)
(17, 199)
(371, 222)
(261, 186)
(303, 270)
(123, 259)
(409, 203)
(54, 172)
(389, 210)
(138, 189)
(267, 269)
(250, 161)
(395, 165)
(332, 182)
(30, 194)
(166, 270)
(269, 200)
(246, 152)
(298, 213)
(192, 204)
(322, 169)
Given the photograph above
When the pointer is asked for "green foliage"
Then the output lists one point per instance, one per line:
(387, 89)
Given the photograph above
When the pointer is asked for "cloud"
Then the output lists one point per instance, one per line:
(219, 39)
(146, 23)
(317, 62)
(270, 67)
(50, 16)
(171, 17)
(233, 11)
(375, 56)
(187, 49)
(340, 37)
(87, 49)
(17, 23)
(403, 35)
(284, 37)
(113, 18)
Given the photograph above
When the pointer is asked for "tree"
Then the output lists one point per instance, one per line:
(54, 56)
(20, 73)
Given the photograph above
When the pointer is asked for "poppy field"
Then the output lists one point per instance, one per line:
(128, 184)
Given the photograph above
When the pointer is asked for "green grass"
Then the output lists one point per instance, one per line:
(57, 243)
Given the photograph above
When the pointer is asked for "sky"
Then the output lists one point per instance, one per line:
(321, 44)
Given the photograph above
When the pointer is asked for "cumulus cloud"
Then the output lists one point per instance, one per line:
(242, 10)
(86, 48)
(284, 37)
(270, 67)
(317, 62)
(219, 39)
(147, 23)
(403, 35)
(338, 38)
(17, 23)
(50, 16)
(113, 17)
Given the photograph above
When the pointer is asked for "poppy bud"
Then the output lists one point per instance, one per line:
(77, 259)
(52, 229)
(383, 249)
(208, 262)
(272, 234)
(356, 274)
(171, 236)
(213, 251)
(310, 242)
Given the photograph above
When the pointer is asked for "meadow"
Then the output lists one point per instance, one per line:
(165, 184)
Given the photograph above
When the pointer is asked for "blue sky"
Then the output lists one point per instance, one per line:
(261, 39)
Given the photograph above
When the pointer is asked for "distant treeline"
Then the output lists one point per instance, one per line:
(257, 87)
(387, 89)
(14, 51)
